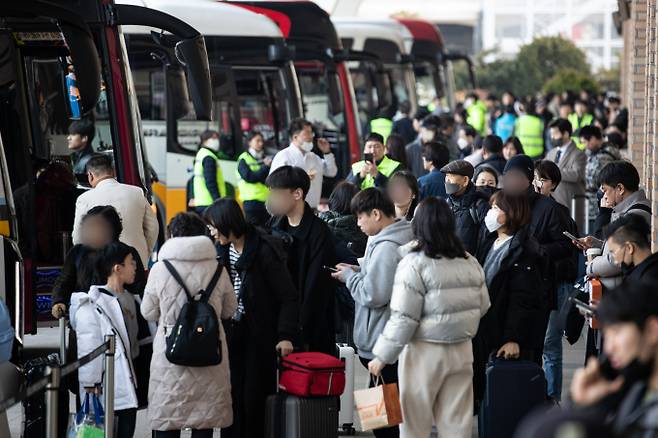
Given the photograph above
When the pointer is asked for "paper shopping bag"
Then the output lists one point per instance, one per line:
(378, 407)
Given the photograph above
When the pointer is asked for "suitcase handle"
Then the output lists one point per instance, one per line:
(62, 340)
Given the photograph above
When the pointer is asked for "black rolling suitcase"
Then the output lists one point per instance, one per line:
(513, 389)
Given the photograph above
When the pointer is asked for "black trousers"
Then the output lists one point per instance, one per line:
(196, 433)
(253, 379)
(255, 212)
(389, 375)
(126, 421)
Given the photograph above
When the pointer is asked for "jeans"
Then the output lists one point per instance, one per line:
(553, 345)
(389, 375)
(200, 433)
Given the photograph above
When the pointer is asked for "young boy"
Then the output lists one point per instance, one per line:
(311, 251)
(105, 310)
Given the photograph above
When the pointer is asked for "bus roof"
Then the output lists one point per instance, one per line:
(423, 30)
(361, 31)
(210, 18)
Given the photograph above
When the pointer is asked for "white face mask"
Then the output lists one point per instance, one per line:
(462, 143)
(491, 220)
(213, 143)
(307, 146)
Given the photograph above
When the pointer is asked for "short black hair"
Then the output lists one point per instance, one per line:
(589, 131)
(373, 199)
(492, 144)
(630, 228)
(373, 136)
(187, 224)
(614, 99)
(549, 170)
(84, 128)
(634, 301)
(226, 215)
(620, 172)
(472, 95)
(110, 215)
(341, 197)
(563, 125)
(437, 153)
(113, 254)
(297, 125)
(486, 169)
(469, 130)
(446, 120)
(435, 230)
(254, 134)
(100, 164)
(616, 139)
(207, 135)
(421, 113)
(404, 107)
(289, 177)
(432, 121)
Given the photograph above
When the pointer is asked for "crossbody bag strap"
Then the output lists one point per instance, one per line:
(213, 283)
(174, 273)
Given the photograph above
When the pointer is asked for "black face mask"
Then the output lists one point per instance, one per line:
(487, 189)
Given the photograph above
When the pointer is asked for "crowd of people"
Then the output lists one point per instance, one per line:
(429, 257)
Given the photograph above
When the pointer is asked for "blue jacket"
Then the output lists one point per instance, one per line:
(504, 126)
(432, 184)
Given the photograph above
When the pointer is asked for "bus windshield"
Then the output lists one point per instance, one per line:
(319, 108)
(400, 85)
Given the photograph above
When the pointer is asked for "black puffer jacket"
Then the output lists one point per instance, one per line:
(469, 210)
(346, 231)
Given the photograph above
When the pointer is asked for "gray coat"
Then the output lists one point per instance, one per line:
(434, 300)
(372, 286)
(572, 168)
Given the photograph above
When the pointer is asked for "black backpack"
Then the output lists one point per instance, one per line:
(194, 340)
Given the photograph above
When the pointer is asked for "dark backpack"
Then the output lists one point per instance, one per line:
(194, 340)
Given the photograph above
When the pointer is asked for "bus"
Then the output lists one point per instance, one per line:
(254, 87)
(61, 62)
(321, 65)
(387, 44)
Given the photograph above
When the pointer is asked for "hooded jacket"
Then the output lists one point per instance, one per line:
(372, 286)
(434, 300)
(179, 396)
(94, 315)
(470, 210)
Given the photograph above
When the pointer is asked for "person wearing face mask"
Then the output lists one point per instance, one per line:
(208, 178)
(492, 153)
(620, 183)
(376, 168)
(486, 179)
(467, 204)
(572, 162)
(628, 239)
(599, 153)
(466, 141)
(427, 132)
(299, 154)
(512, 273)
(253, 168)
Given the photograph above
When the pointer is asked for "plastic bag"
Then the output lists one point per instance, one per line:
(89, 421)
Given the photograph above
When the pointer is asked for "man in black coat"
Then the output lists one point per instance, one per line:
(547, 225)
(310, 250)
(492, 152)
(628, 242)
(405, 124)
(469, 205)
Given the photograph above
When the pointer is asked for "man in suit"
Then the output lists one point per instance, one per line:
(571, 162)
(140, 226)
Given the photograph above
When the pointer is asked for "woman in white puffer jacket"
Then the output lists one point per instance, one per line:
(439, 296)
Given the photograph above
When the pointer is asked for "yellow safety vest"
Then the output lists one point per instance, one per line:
(382, 127)
(576, 124)
(385, 167)
(530, 131)
(477, 117)
(202, 196)
(251, 191)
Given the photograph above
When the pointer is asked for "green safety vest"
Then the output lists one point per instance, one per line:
(386, 167)
(251, 191)
(530, 131)
(576, 124)
(202, 196)
(477, 117)
(382, 127)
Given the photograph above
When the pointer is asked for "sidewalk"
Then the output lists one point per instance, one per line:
(573, 359)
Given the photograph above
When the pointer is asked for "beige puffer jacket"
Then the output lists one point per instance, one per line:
(180, 397)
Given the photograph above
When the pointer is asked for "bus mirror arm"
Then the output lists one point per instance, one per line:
(458, 56)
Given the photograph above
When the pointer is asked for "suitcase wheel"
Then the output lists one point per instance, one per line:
(348, 429)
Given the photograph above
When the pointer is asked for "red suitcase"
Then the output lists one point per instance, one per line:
(312, 375)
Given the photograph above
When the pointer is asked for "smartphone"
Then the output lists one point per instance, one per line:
(368, 157)
(581, 305)
(569, 235)
(606, 368)
(329, 268)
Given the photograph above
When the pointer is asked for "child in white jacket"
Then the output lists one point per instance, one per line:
(107, 310)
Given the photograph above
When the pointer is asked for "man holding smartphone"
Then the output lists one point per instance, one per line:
(376, 168)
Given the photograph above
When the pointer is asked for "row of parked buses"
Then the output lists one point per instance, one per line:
(153, 75)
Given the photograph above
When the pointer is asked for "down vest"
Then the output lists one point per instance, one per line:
(434, 300)
(181, 397)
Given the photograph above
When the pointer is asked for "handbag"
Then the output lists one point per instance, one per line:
(312, 375)
(85, 424)
(194, 340)
(378, 407)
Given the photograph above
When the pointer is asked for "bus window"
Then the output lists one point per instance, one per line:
(314, 83)
(399, 83)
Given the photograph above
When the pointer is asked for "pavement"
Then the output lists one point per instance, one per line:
(47, 339)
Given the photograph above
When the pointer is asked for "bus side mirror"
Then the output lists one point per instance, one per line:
(86, 64)
(178, 99)
(279, 53)
(191, 53)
